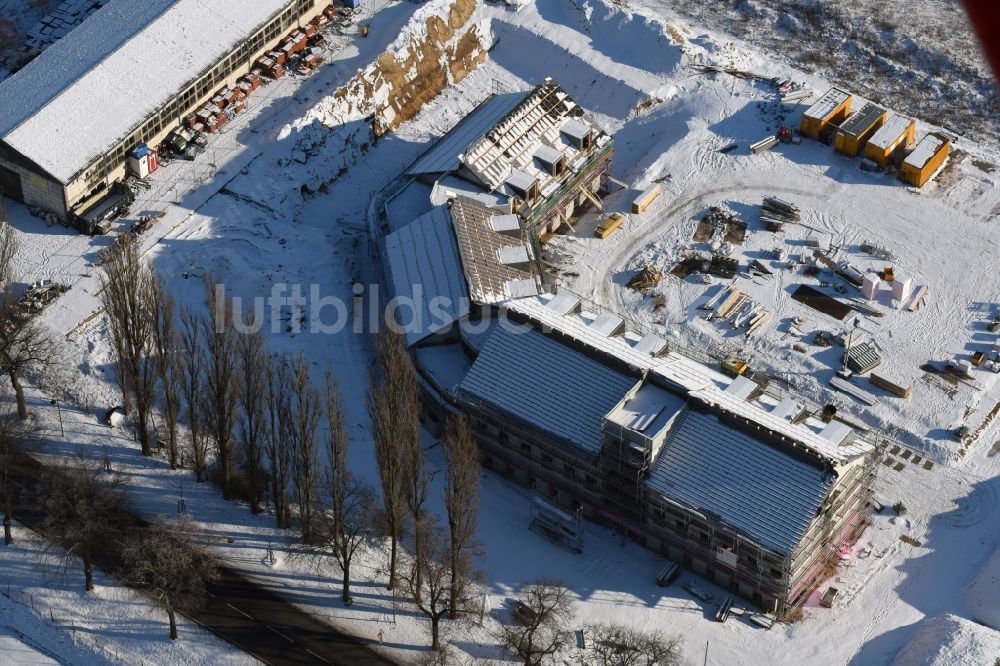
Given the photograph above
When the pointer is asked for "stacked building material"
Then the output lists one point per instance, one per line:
(775, 213)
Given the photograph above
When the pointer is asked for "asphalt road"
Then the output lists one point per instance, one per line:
(238, 611)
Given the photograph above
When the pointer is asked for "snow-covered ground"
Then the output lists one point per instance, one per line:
(247, 220)
(47, 618)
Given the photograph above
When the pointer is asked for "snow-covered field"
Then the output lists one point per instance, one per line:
(247, 220)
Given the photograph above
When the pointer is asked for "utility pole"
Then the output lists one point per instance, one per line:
(59, 409)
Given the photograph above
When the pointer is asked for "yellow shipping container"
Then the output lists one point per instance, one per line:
(830, 109)
(926, 158)
(897, 131)
(858, 128)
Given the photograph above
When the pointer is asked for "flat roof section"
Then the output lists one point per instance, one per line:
(925, 150)
(649, 411)
(892, 129)
(826, 104)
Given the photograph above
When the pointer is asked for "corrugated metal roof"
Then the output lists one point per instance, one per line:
(424, 265)
(89, 90)
(892, 129)
(760, 492)
(861, 120)
(526, 375)
(443, 154)
(825, 105)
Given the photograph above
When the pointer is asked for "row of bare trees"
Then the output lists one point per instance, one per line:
(256, 420)
(437, 571)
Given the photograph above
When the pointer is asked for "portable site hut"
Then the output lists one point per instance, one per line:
(830, 109)
(858, 128)
(925, 159)
(897, 131)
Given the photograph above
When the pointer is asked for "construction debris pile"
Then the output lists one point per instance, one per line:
(715, 218)
(37, 296)
(732, 305)
(775, 213)
(646, 279)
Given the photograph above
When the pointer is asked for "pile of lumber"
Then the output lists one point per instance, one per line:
(732, 305)
(775, 213)
(645, 279)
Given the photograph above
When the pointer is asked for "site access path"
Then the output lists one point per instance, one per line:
(238, 610)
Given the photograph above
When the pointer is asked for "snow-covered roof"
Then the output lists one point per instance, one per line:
(861, 120)
(925, 150)
(442, 156)
(496, 265)
(757, 490)
(93, 87)
(827, 104)
(893, 128)
(522, 373)
(698, 381)
(424, 265)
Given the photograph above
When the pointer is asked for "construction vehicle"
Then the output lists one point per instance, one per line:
(609, 225)
(734, 366)
(888, 274)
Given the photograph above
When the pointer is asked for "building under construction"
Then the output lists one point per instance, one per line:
(539, 151)
(727, 477)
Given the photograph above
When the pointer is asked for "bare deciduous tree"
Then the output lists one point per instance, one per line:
(192, 363)
(221, 378)
(169, 367)
(461, 501)
(254, 365)
(347, 522)
(168, 562)
(279, 454)
(127, 297)
(615, 645)
(14, 435)
(393, 409)
(542, 620)
(24, 343)
(304, 409)
(83, 508)
(430, 571)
